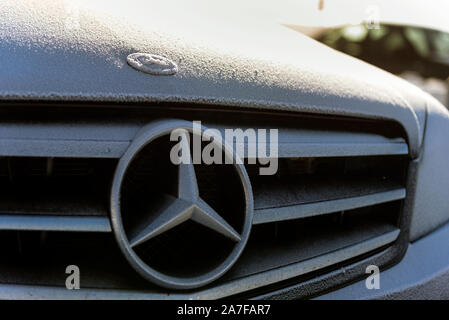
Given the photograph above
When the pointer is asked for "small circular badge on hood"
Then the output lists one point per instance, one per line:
(152, 64)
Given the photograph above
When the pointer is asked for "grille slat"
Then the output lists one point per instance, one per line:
(338, 149)
(325, 207)
(54, 223)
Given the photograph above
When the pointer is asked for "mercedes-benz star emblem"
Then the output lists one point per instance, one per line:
(152, 64)
(173, 219)
(188, 205)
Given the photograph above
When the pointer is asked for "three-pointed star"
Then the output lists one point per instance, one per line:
(187, 205)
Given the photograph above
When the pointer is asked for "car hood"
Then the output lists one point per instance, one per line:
(227, 54)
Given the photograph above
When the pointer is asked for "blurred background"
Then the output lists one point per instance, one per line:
(407, 38)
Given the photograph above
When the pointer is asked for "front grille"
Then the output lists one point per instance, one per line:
(337, 197)
(337, 208)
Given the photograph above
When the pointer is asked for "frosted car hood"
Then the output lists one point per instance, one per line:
(226, 55)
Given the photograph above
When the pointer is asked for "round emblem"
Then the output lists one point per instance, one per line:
(179, 225)
(152, 64)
